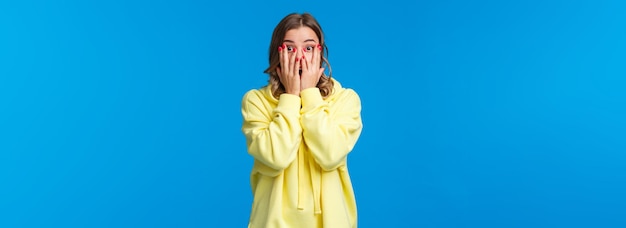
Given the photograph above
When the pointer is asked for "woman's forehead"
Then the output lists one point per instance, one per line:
(300, 35)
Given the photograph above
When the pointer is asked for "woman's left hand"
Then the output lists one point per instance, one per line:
(311, 69)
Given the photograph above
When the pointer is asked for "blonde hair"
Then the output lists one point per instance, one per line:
(294, 21)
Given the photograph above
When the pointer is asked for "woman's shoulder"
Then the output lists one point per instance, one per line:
(261, 93)
(339, 88)
(341, 92)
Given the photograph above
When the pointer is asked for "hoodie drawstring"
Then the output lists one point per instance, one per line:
(300, 178)
(316, 182)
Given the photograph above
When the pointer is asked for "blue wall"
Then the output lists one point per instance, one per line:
(476, 113)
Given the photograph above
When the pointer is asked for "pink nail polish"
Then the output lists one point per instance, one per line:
(280, 48)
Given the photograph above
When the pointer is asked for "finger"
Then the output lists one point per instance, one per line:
(280, 75)
(284, 58)
(296, 67)
(311, 61)
(280, 60)
(320, 73)
(305, 63)
(292, 61)
(317, 56)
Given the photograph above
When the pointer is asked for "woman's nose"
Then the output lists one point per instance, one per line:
(299, 53)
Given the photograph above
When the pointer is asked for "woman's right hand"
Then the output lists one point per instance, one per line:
(288, 71)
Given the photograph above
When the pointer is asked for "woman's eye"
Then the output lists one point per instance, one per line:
(289, 48)
(309, 48)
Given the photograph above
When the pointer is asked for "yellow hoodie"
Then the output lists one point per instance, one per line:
(300, 144)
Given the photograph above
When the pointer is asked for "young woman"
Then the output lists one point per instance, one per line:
(300, 128)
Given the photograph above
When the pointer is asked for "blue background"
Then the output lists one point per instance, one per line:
(476, 113)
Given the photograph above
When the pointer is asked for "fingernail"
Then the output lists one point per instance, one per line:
(284, 46)
(280, 48)
(319, 46)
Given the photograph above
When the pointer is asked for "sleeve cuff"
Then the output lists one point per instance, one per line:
(288, 104)
(311, 98)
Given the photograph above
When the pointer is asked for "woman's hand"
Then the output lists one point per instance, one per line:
(288, 70)
(311, 69)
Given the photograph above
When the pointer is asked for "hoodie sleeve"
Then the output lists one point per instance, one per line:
(272, 136)
(330, 130)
